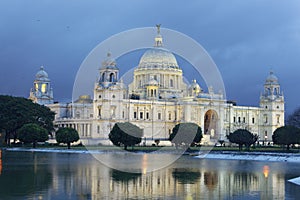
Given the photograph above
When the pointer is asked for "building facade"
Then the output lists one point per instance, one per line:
(157, 100)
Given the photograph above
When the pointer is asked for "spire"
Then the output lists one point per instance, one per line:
(158, 38)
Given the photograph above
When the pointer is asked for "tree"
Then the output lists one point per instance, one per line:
(67, 136)
(17, 111)
(126, 134)
(186, 133)
(32, 133)
(294, 119)
(286, 135)
(242, 137)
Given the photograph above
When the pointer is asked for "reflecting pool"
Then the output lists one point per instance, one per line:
(36, 175)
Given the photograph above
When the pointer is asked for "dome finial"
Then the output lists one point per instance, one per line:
(158, 28)
(158, 38)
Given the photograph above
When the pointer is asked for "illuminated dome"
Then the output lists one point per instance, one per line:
(42, 74)
(158, 57)
(272, 79)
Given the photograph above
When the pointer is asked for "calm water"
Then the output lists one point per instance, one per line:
(33, 175)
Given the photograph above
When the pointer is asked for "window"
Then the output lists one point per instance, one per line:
(98, 129)
(141, 115)
(159, 116)
(278, 119)
(134, 115)
(171, 83)
(123, 114)
(253, 120)
(244, 119)
(44, 88)
(234, 119)
(239, 119)
(147, 115)
(113, 96)
(266, 135)
(113, 111)
(99, 111)
(111, 77)
(170, 116)
(266, 118)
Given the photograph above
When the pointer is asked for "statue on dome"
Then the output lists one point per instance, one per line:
(158, 28)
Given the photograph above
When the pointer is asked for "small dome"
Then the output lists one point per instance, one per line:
(194, 85)
(272, 78)
(158, 57)
(194, 88)
(109, 63)
(42, 74)
(84, 99)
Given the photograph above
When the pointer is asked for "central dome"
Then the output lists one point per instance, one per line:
(158, 57)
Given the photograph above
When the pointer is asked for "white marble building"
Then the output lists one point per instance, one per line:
(157, 100)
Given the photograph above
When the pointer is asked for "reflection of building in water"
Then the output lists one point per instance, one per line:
(94, 181)
(157, 100)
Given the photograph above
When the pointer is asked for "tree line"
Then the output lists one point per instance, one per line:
(30, 123)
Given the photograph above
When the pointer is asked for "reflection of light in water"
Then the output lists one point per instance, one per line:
(189, 197)
(144, 163)
(266, 170)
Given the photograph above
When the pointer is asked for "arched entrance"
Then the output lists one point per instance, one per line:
(210, 123)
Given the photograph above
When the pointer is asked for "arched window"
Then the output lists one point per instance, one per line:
(103, 77)
(111, 77)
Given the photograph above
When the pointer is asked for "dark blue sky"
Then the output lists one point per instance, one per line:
(246, 39)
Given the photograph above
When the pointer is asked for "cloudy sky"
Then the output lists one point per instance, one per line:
(246, 39)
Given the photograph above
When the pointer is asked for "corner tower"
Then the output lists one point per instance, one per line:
(41, 93)
(272, 108)
(109, 91)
